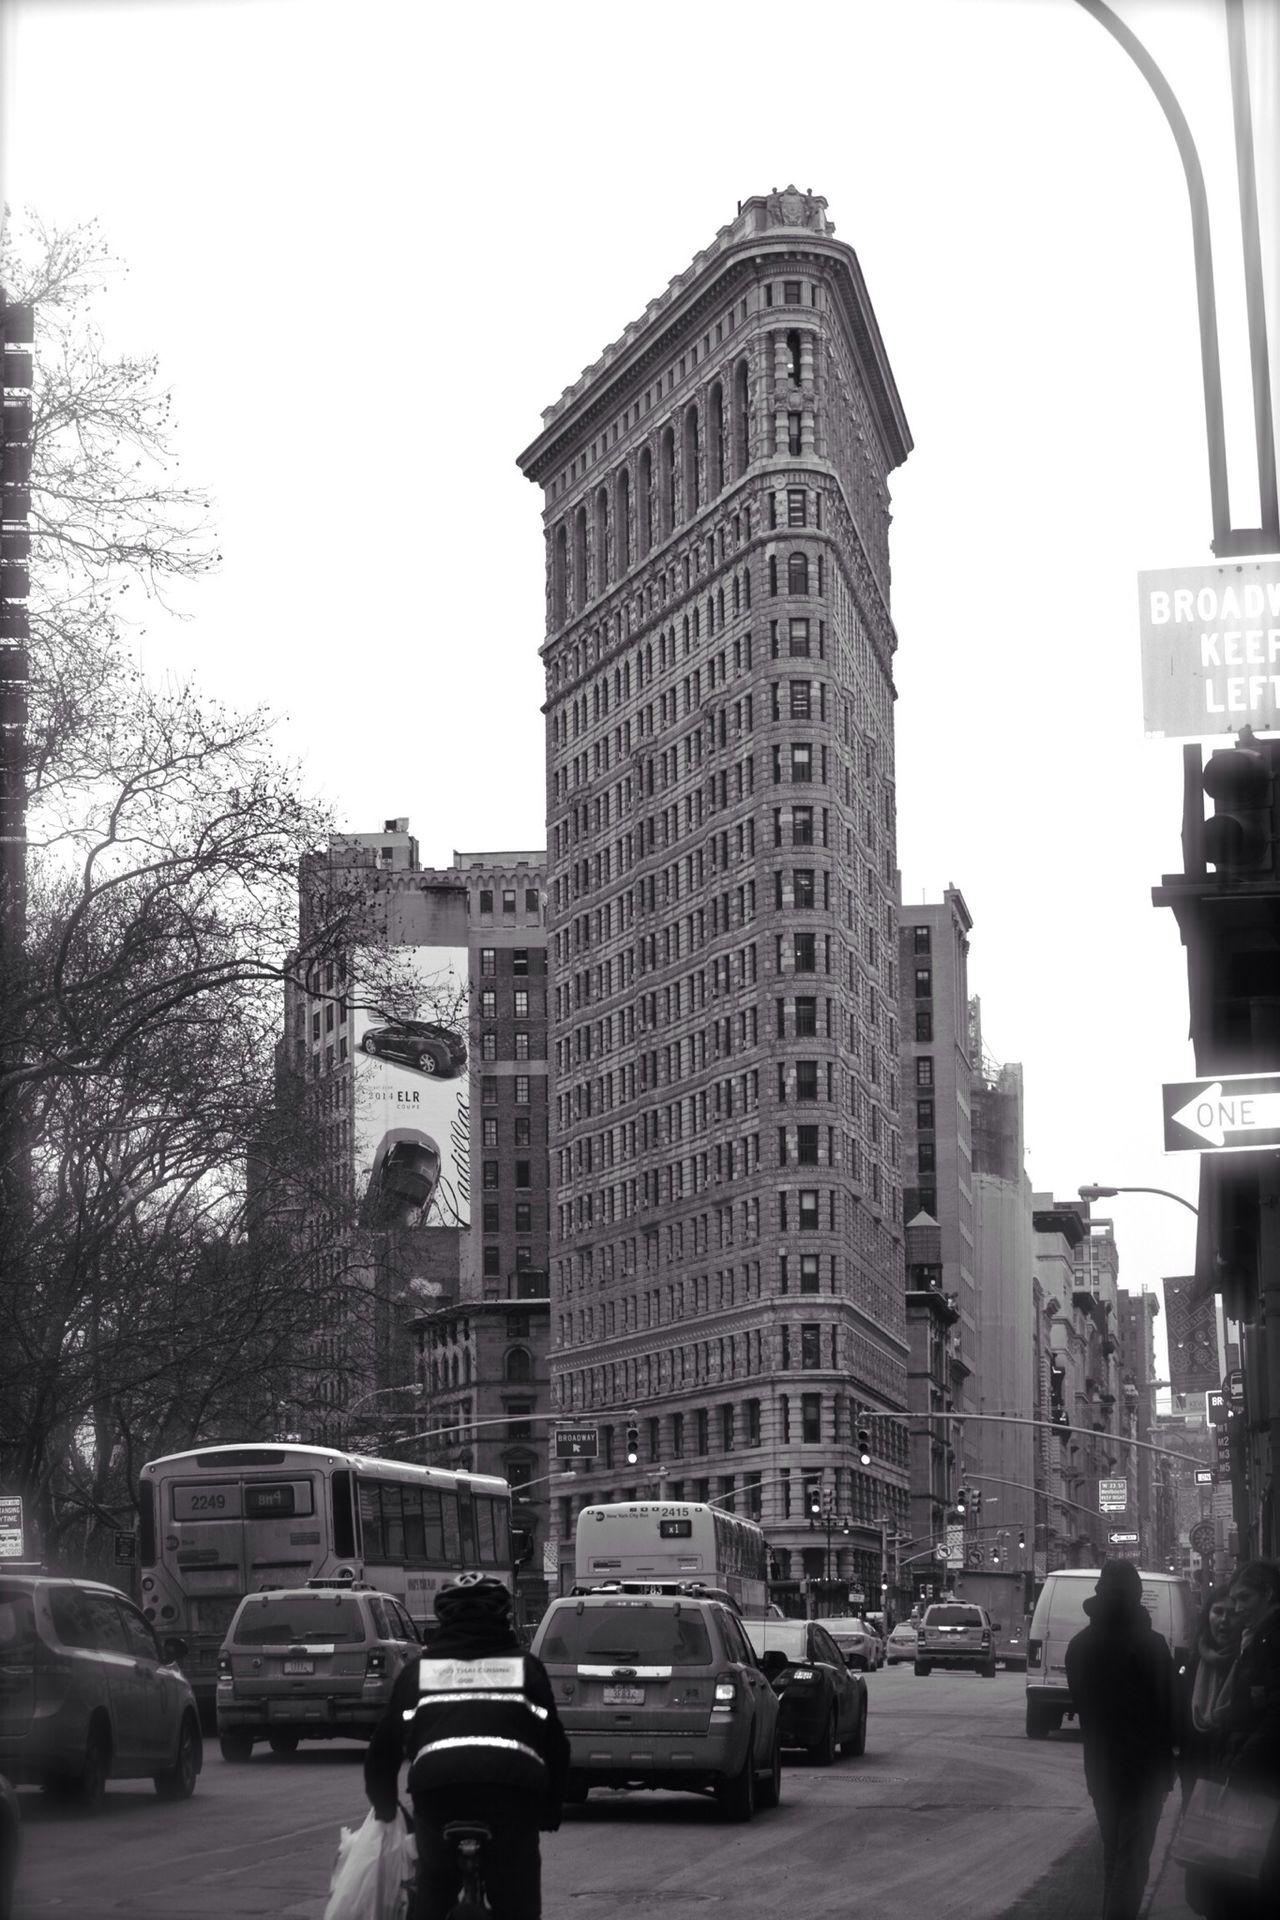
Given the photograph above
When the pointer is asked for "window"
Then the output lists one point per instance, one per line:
(806, 947)
(801, 700)
(810, 1418)
(490, 1133)
(802, 888)
(523, 1181)
(488, 955)
(521, 1003)
(726, 1429)
(924, 1071)
(807, 1141)
(488, 1004)
(519, 959)
(492, 1263)
(795, 428)
(522, 1046)
(509, 900)
(924, 1116)
(798, 638)
(920, 939)
(806, 1016)
(798, 575)
(802, 826)
(491, 1175)
(518, 1329)
(522, 1089)
(797, 501)
(808, 1209)
(488, 1090)
(801, 762)
(811, 1346)
(927, 1156)
(522, 1140)
(806, 1079)
(808, 1273)
(791, 293)
(701, 1419)
(924, 1023)
(524, 1217)
(488, 1046)
(486, 899)
(532, 904)
(518, 1369)
(677, 1436)
(492, 1217)
(924, 983)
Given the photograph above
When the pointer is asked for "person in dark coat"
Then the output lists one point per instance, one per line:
(1120, 1672)
(476, 1720)
(1214, 1653)
(1246, 1749)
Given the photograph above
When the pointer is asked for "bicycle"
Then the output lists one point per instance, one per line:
(469, 1841)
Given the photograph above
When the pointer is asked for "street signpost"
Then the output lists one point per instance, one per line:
(1215, 1402)
(1203, 1476)
(577, 1443)
(126, 1548)
(1233, 1387)
(12, 1536)
(1121, 1537)
(1202, 1537)
(1113, 1496)
(1232, 1113)
(1210, 638)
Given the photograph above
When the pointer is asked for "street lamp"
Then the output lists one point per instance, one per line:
(1109, 1193)
(415, 1387)
(568, 1473)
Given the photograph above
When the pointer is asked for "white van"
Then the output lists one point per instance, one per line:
(1060, 1615)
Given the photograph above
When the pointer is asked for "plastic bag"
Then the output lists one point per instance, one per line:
(374, 1872)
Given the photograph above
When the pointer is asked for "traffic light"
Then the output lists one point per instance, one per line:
(633, 1439)
(815, 1500)
(1022, 1538)
(962, 1501)
(828, 1503)
(864, 1446)
(1239, 835)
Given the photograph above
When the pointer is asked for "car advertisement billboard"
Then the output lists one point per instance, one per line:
(411, 1135)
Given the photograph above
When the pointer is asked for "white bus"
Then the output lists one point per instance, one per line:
(222, 1521)
(673, 1540)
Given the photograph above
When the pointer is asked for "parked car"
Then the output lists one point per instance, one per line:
(420, 1044)
(957, 1635)
(10, 1845)
(901, 1644)
(1059, 1613)
(309, 1663)
(858, 1641)
(88, 1694)
(402, 1184)
(824, 1703)
(662, 1690)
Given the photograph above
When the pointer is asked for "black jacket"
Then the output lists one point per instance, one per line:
(1248, 1749)
(1120, 1673)
(489, 1753)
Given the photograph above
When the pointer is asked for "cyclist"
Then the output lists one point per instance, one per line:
(476, 1720)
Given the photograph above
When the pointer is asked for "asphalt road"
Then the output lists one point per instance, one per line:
(950, 1812)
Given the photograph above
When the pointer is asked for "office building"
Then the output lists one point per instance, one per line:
(727, 1236)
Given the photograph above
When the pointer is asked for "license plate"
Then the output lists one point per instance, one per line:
(299, 1666)
(624, 1696)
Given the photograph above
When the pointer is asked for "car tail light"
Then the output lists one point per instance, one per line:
(727, 1691)
(224, 1666)
(1035, 1649)
(375, 1663)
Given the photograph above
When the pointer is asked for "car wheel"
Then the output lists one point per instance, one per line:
(823, 1751)
(770, 1788)
(235, 1747)
(179, 1783)
(369, 1044)
(737, 1797)
(427, 1063)
(1041, 1721)
(90, 1784)
(989, 1671)
(856, 1746)
(283, 1743)
(923, 1669)
(575, 1792)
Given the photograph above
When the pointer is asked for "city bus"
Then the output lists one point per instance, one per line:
(673, 1540)
(222, 1521)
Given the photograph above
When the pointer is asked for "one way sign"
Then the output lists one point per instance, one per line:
(1239, 1114)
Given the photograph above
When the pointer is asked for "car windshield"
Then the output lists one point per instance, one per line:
(953, 1617)
(768, 1636)
(638, 1635)
(296, 1619)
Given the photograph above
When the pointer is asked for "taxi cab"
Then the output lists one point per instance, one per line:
(662, 1689)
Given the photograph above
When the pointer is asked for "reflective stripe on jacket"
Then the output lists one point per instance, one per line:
(495, 1736)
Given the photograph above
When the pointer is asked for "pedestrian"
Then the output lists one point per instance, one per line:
(1212, 1657)
(1120, 1673)
(1246, 1733)
(484, 1745)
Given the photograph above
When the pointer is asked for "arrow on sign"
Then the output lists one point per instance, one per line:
(1213, 1115)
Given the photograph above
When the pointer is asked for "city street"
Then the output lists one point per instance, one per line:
(951, 1811)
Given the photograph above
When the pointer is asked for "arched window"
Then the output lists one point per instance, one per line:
(793, 358)
(560, 577)
(716, 443)
(667, 479)
(644, 511)
(602, 540)
(773, 575)
(741, 419)
(622, 521)
(579, 559)
(518, 1368)
(692, 486)
(798, 574)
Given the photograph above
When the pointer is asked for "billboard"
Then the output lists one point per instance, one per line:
(412, 1110)
(1191, 1330)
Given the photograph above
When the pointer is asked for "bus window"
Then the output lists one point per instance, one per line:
(467, 1526)
(344, 1519)
(147, 1524)
(484, 1530)
(392, 1524)
(414, 1543)
(449, 1513)
(371, 1521)
(434, 1526)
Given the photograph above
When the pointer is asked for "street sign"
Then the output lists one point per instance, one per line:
(1120, 1538)
(126, 1549)
(1202, 1537)
(1237, 1113)
(12, 1538)
(1210, 636)
(1233, 1387)
(577, 1443)
(1215, 1404)
(1203, 1476)
(1113, 1496)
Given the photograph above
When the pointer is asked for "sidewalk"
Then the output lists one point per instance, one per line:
(1165, 1898)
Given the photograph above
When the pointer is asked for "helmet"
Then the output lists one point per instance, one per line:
(473, 1596)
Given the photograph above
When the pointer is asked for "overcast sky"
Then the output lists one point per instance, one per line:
(370, 242)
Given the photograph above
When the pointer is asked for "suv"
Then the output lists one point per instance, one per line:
(953, 1633)
(420, 1044)
(309, 1663)
(662, 1690)
(87, 1693)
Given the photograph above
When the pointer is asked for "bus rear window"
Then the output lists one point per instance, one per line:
(297, 1619)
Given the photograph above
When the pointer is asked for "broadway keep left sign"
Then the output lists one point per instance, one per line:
(1210, 648)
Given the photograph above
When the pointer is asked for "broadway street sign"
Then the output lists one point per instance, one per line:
(1239, 1113)
(1211, 648)
(576, 1443)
